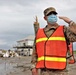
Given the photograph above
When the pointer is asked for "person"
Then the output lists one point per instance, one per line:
(71, 54)
(50, 50)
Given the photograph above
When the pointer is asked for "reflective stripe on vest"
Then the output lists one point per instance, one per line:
(51, 38)
(58, 59)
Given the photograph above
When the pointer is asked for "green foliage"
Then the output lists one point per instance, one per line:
(75, 51)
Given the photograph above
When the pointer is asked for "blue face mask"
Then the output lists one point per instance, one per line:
(52, 19)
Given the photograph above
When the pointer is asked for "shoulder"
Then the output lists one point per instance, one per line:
(65, 28)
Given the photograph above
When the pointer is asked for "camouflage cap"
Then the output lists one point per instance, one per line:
(48, 10)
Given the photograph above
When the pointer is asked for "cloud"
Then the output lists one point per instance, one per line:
(2, 42)
(17, 17)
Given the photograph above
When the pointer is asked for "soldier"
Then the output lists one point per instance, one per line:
(50, 48)
(70, 54)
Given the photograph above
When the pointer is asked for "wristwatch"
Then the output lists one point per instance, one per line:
(70, 22)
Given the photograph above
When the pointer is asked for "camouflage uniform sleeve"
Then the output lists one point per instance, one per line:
(34, 57)
(70, 32)
(34, 54)
(36, 27)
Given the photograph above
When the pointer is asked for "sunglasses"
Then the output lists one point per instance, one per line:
(52, 13)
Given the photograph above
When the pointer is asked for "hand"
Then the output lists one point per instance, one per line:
(34, 71)
(66, 19)
(36, 21)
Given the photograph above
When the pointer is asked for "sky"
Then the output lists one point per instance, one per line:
(17, 17)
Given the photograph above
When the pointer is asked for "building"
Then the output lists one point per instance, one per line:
(24, 46)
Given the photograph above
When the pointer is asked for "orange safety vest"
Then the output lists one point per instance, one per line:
(51, 51)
